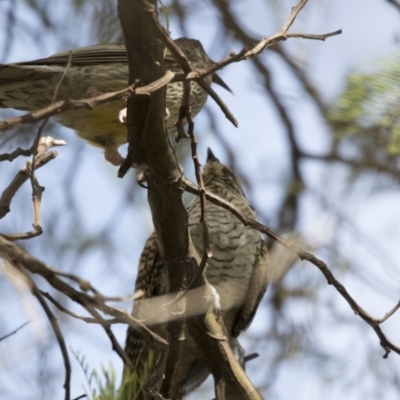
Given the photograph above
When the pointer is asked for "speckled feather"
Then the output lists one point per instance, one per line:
(94, 70)
(239, 270)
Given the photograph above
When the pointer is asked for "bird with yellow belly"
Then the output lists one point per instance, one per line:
(95, 70)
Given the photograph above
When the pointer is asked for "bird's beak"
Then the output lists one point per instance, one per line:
(211, 156)
(218, 80)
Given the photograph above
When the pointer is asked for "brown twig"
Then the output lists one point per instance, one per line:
(16, 153)
(57, 331)
(207, 253)
(107, 327)
(64, 74)
(244, 54)
(182, 60)
(37, 190)
(389, 314)
(21, 177)
(68, 312)
(266, 42)
(28, 172)
(88, 103)
(86, 286)
(24, 261)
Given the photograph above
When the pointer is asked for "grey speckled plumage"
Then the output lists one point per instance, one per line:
(95, 70)
(239, 270)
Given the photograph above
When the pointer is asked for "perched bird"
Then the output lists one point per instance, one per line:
(95, 70)
(238, 270)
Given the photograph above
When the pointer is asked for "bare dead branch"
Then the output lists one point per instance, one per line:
(266, 42)
(21, 177)
(28, 172)
(107, 327)
(24, 261)
(56, 329)
(66, 311)
(389, 314)
(16, 153)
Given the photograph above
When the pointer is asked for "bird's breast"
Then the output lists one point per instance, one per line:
(234, 252)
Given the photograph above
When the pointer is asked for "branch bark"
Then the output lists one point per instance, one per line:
(149, 149)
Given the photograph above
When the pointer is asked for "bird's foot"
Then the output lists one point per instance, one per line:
(112, 155)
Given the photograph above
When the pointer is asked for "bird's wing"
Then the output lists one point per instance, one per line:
(255, 292)
(89, 55)
(85, 56)
(30, 84)
(150, 282)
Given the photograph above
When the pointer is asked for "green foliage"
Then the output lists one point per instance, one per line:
(132, 383)
(370, 105)
(102, 385)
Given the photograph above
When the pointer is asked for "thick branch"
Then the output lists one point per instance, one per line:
(149, 147)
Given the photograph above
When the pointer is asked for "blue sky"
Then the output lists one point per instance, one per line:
(368, 235)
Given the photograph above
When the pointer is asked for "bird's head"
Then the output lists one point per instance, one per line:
(216, 173)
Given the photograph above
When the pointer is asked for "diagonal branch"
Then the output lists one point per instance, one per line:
(56, 328)
(22, 260)
(358, 310)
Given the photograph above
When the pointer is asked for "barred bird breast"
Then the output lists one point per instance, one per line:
(239, 270)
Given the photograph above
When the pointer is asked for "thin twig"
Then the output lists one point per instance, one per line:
(107, 327)
(56, 329)
(20, 178)
(15, 154)
(82, 396)
(66, 311)
(28, 172)
(182, 60)
(25, 261)
(64, 74)
(86, 286)
(89, 103)
(389, 314)
(14, 331)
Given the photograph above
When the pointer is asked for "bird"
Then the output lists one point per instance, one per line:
(95, 70)
(239, 270)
